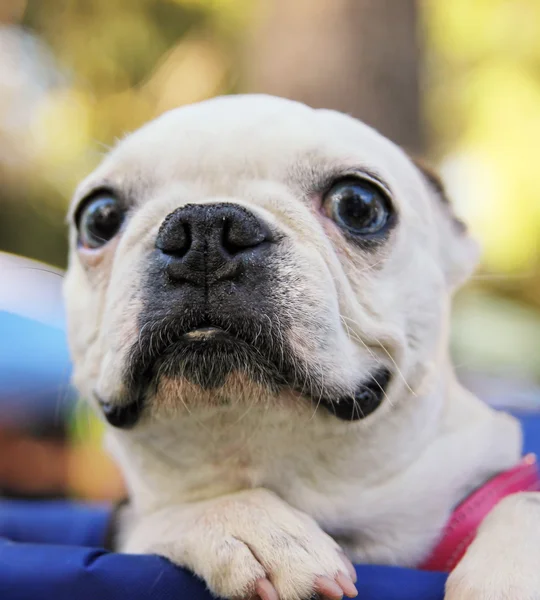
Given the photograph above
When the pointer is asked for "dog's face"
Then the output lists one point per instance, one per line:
(251, 249)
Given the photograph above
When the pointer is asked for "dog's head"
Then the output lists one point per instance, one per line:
(252, 248)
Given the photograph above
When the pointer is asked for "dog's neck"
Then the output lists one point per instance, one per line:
(413, 464)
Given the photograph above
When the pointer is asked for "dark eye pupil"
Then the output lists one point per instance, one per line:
(100, 222)
(359, 207)
(356, 208)
(104, 219)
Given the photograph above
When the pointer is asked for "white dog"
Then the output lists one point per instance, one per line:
(258, 300)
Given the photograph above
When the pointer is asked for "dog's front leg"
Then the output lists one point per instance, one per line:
(503, 562)
(247, 543)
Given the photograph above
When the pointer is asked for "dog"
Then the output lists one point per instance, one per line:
(258, 300)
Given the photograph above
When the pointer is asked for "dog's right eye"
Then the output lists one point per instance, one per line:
(99, 220)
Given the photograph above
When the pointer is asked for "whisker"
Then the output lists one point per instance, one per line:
(357, 407)
(383, 347)
(353, 335)
(40, 269)
(321, 391)
(370, 267)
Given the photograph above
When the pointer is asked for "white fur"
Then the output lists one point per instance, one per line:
(234, 493)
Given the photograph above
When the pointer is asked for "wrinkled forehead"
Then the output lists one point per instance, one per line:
(249, 137)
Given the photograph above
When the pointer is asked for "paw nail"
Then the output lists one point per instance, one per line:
(350, 567)
(265, 590)
(328, 588)
(348, 587)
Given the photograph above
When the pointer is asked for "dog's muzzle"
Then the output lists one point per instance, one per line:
(215, 302)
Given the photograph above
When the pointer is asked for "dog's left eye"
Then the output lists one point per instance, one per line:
(99, 220)
(358, 206)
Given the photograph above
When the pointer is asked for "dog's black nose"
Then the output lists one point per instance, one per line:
(200, 242)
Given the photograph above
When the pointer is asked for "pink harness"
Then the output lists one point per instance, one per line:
(467, 517)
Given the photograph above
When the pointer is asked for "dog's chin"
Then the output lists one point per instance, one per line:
(209, 357)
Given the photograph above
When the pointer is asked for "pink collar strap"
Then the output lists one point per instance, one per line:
(466, 518)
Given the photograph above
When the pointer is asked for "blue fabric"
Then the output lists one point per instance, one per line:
(39, 564)
(53, 553)
(54, 522)
(35, 572)
(531, 433)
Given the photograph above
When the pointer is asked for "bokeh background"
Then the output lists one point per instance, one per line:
(457, 82)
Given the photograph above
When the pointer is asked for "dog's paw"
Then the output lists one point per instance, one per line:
(491, 583)
(503, 562)
(247, 545)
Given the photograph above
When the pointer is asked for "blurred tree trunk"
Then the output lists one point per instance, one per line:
(357, 56)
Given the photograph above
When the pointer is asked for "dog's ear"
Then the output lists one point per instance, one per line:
(459, 252)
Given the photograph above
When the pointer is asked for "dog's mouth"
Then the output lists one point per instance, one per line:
(206, 354)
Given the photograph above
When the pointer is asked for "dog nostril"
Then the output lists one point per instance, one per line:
(239, 235)
(175, 241)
